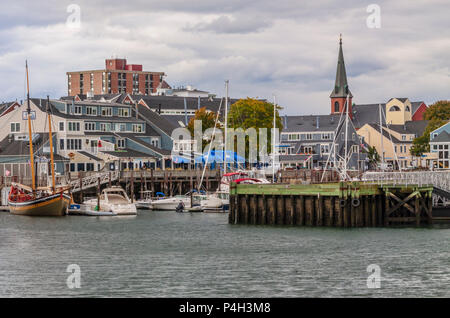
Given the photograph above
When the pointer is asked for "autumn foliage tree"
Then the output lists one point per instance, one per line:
(254, 113)
(437, 114)
(208, 120)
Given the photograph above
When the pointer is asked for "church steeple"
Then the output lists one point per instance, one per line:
(341, 90)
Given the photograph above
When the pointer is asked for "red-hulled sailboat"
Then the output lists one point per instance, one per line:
(38, 201)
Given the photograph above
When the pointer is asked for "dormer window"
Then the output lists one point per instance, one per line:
(407, 109)
(394, 109)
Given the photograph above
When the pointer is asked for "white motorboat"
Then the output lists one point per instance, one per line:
(146, 200)
(171, 204)
(114, 200)
(83, 209)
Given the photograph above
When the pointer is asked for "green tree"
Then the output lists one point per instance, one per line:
(437, 114)
(208, 120)
(254, 113)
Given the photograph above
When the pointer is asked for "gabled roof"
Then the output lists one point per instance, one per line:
(402, 99)
(415, 106)
(128, 153)
(411, 127)
(309, 123)
(166, 126)
(442, 137)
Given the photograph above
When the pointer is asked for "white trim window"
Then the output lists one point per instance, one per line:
(15, 127)
(121, 143)
(123, 112)
(91, 110)
(78, 110)
(61, 126)
(89, 126)
(137, 128)
(107, 111)
(73, 126)
(105, 127)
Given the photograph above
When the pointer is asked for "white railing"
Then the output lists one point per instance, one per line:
(438, 179)
(92, 180)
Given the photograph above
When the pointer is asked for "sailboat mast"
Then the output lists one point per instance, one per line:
(33, 178)
(226, 128)
(381, 138)
(273, 138)
(52, 163)
(346, 137)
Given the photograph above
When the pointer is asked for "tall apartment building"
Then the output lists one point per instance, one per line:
(117, 77)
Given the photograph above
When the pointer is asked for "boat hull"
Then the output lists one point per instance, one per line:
(52, 205)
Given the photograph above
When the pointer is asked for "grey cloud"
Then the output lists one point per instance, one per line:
(286, 47)
(225, 24)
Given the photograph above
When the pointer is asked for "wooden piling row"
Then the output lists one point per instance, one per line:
(354, 205)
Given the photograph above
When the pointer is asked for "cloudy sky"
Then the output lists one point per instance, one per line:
(264, 47)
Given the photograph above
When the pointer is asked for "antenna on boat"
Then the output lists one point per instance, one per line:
(226, 128)
(273, 138)
(30, 136)
(51, 144)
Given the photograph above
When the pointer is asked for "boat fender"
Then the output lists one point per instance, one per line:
(356, 202)
(343, 203)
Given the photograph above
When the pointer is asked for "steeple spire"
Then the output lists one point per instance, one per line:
(340, 85)
(341, 90)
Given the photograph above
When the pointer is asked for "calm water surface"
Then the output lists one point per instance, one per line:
(169, 254)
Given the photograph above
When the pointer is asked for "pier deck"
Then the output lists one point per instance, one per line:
(343, 204)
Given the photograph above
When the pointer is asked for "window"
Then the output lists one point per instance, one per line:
(120, 143)
(336, 107)
(106, 111)
(61, 126)
(89, 126)
(407, 109)
(327, 136)
(105, 126)
(73, 144)
(122, 127)
(91, 110)
(124, 112)
(403, 137)
(77, 110)
(324, 149)
(155, 142)
(80, 166)
(73, 126)
(89, 166)
(394, 109)
(308, 136)
(15, 127)
(355, 148)
(61, 144)
(137, 128)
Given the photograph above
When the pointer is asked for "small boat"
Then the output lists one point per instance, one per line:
(171, 204)
(113, 200)
(83, 209)
(146, 200)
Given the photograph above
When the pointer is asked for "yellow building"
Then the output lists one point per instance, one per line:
(394, 141)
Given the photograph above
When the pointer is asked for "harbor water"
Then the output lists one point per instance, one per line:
(169, 254)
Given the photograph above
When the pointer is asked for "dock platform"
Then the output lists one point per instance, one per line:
(342, 204)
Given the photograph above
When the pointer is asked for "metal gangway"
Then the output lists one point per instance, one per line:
(440, 180)
(93, 180)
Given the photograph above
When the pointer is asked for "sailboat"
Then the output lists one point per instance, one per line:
(38, 201)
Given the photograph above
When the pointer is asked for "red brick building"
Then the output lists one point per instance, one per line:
(117, 77)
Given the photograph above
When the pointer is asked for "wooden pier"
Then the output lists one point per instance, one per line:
(343, 204)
